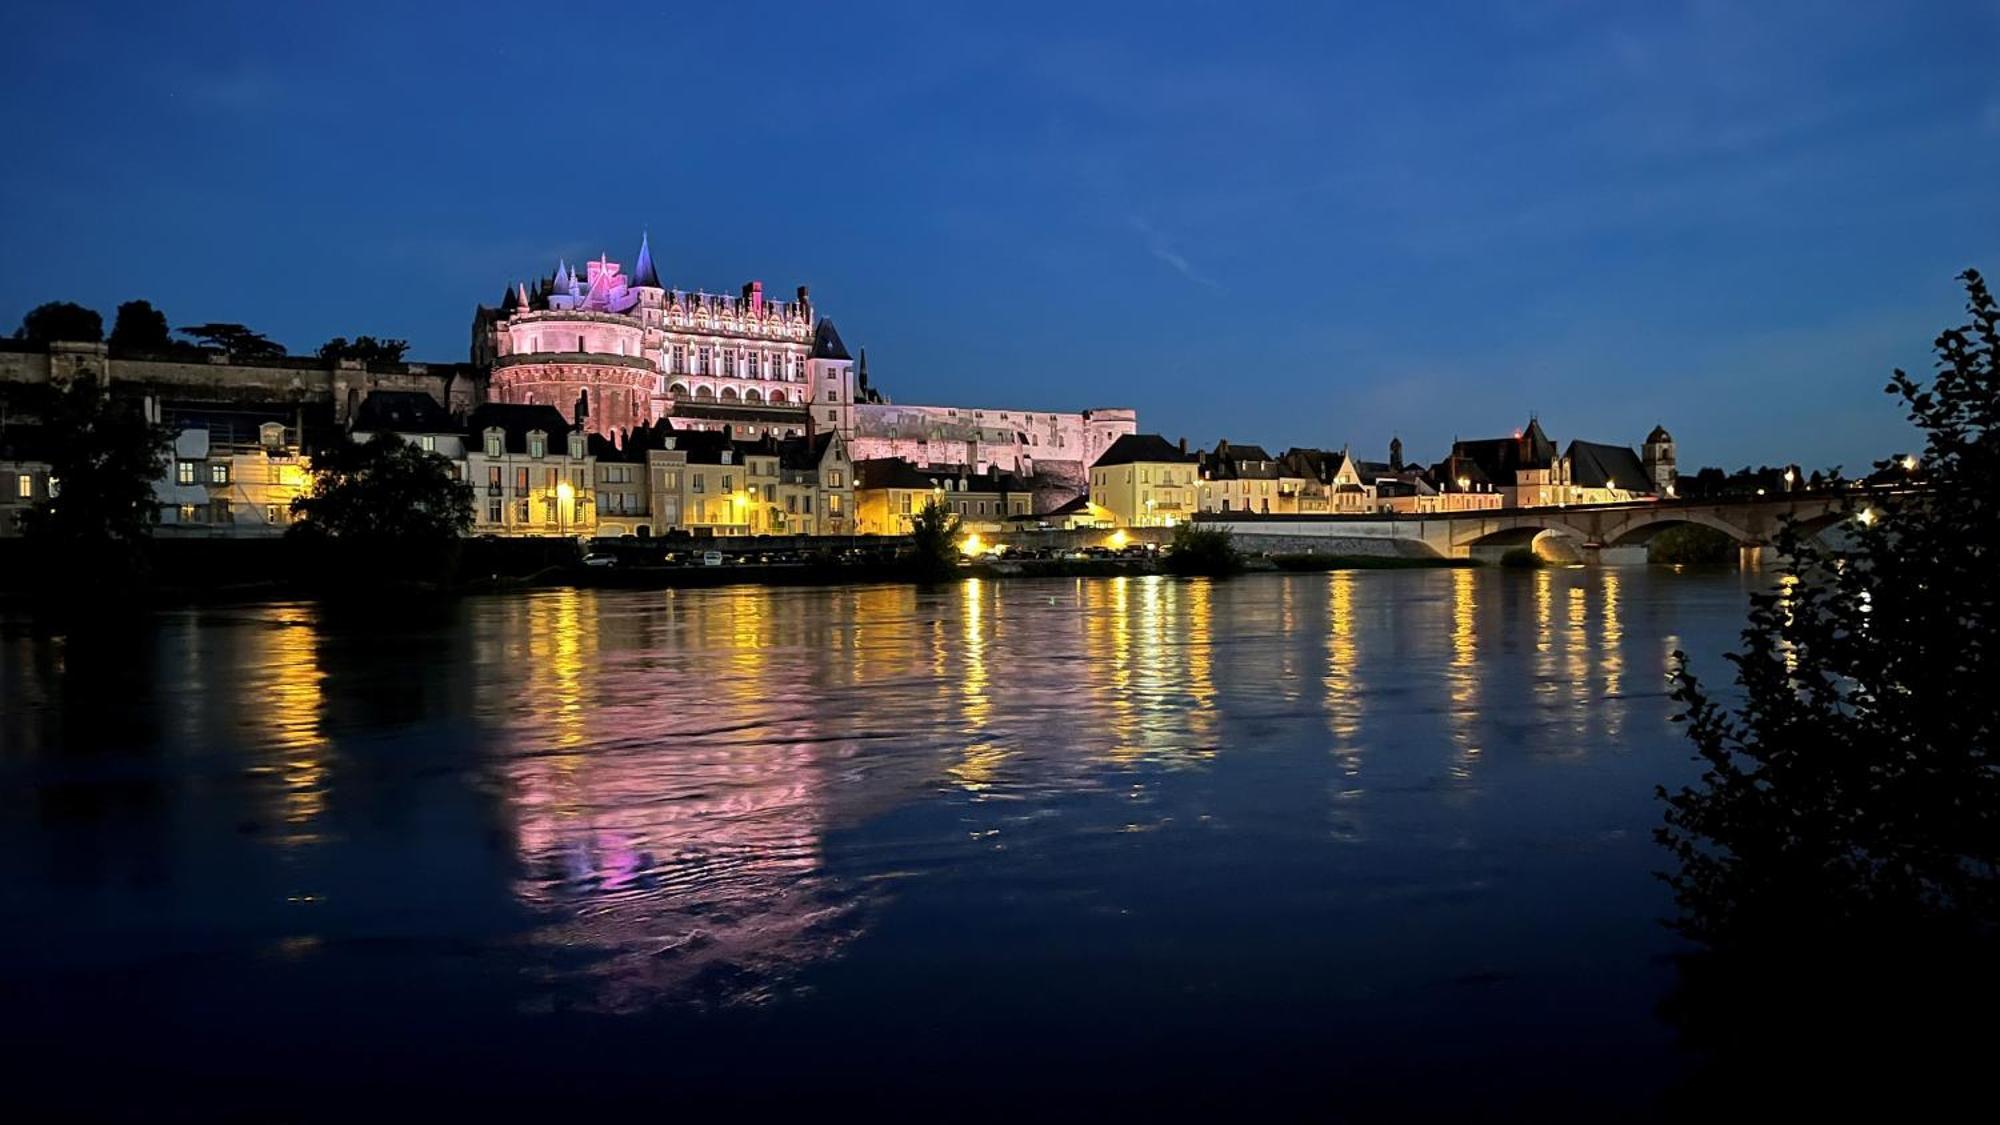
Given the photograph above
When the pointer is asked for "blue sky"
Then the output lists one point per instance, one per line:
(1307, 223)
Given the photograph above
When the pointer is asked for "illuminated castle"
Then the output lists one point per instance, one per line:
(617, 352)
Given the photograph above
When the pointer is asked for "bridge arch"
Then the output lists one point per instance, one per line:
(1639, 533)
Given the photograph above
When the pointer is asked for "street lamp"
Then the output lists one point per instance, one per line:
(565, 496)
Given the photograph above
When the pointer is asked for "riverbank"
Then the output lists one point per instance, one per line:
(171, 572)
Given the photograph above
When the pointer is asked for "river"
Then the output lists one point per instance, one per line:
(1375, 839)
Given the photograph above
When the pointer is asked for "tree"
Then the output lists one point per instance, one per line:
(383, 491)
(934, 535)
(1839, 858)
(106, 456)
(1204, 551)
(140, 329)
(367, 349)
(60, 320)
(234, 340)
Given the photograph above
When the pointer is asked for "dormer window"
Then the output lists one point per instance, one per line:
(538, 444)
(271, 435)
(494, 440)
(576, 445)
(725, 457)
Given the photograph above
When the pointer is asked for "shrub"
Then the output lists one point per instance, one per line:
(1205, 551)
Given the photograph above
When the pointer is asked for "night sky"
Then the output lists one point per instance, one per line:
(1289, 224)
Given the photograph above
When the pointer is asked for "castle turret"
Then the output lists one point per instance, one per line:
(644, 274)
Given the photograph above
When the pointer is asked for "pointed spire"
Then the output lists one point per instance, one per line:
(643, 272)
(562, 273)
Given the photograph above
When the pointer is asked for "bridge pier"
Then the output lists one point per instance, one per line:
(1755, 556)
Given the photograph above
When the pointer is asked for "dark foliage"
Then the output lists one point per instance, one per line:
(1521, 558)
(60, 320)
(234, 340)
(367, 349)
(1839, 858)
(1202, 551)
(934, 534)
(140, 329)
(104, 460)
(383, 490)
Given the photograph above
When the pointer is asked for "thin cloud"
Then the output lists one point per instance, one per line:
(1158, 246)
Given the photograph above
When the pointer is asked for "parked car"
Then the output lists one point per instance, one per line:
(711, 558)
(600, 560)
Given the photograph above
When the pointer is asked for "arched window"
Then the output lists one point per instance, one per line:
(752, 395)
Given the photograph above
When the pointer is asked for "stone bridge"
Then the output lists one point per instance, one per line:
(1593, 532)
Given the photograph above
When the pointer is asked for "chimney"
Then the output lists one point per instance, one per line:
(753, 295)
(1183, 445)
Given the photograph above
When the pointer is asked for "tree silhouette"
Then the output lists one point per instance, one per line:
(367, 349)
(105, 457)
(234, 341)
(60, 320)
(934, 541)
(140, 329)
(384, 489)
(1839, 858)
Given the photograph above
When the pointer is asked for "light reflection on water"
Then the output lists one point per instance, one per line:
(783, 800)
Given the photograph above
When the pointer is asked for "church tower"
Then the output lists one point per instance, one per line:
(1658, 456)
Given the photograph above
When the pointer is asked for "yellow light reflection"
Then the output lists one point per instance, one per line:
(289, 689)
(982, 757)
(1343, 710)
(1463, 673)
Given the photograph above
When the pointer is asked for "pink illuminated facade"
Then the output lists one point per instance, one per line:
(618, 351)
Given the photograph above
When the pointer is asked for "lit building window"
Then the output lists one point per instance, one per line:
(218, 472)
(184, 472)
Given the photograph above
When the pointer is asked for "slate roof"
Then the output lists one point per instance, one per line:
(517, 420)
(804, 453)
(1321, 465)
(402, 412)
(1447, 473)
(1593, 465)
(826, 341)
(1131, 449)
(1241, 462)
(1501, 458)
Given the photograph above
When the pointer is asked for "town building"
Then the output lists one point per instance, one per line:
(24, 471)
(890, 492)
(414, 417)
(531, 472)
(1606, 474)
(1246, 478)
(235, 468)
(1525, 468)
(1144, 480)
(1528, 472)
